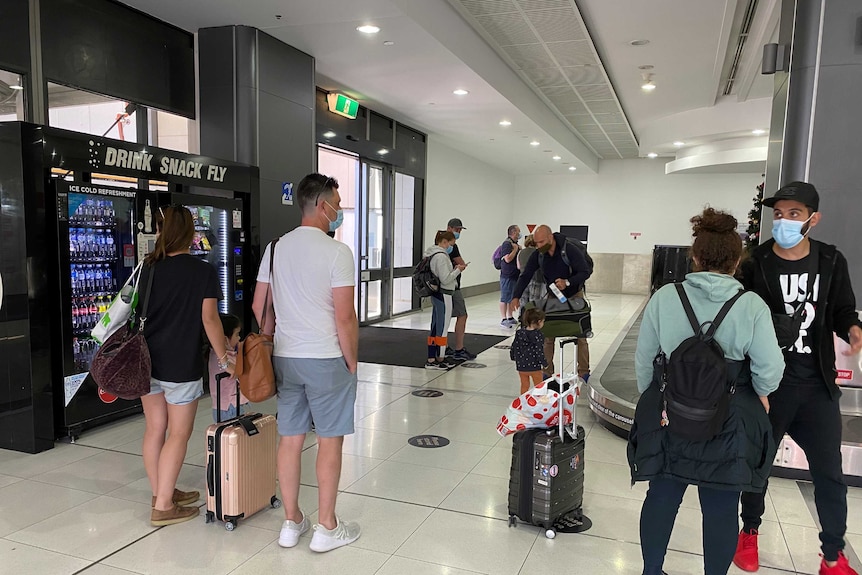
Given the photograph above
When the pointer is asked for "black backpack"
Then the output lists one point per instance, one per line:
(425, 283)
(579, 245)
(694, 382)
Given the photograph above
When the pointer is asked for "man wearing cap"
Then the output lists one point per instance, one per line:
(459, 307)
(806, 404)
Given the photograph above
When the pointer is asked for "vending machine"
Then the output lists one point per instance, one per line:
(72, 234)
(97, 253)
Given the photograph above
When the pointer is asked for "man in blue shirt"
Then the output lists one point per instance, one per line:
(509, 275)
(568, 277)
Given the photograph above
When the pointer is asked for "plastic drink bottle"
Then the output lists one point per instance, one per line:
(556, 291)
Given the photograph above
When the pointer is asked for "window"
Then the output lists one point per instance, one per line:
(12, 102)
(169, 131)
(81, 111)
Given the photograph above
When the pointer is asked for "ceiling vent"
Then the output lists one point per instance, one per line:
(741, 39)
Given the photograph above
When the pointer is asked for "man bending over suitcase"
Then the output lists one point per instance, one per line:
(568, 277)
(315, 355)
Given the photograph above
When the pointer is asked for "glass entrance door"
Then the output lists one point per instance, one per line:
(375, 243)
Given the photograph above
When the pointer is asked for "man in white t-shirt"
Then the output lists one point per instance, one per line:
(315, 355)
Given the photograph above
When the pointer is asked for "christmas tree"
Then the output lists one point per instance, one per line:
(753, 239)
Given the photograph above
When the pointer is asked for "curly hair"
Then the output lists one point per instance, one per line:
(717, 245)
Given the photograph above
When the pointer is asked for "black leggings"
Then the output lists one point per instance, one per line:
(720, 526)
(813, 419)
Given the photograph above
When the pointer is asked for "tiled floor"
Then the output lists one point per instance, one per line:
(83, 508)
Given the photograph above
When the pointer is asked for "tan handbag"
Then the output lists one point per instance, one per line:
(254, 356)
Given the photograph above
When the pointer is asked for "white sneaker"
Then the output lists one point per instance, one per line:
(328, 539)
(291, 532)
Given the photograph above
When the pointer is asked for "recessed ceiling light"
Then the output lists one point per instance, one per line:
(368, 29)
(652, 155)
(534, 143)
(679, 144)
(460, 92)
(505, 123)
(643, 42)
(383, 151)
(648, 86)
(556, 158)
(17, 87)
(646, 67)
(758, 132)
(572, 168)
(329, 134)
(388, 43)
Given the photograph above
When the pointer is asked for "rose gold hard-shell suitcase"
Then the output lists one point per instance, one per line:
(241, 466)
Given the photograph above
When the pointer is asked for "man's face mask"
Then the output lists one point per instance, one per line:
(545, 248)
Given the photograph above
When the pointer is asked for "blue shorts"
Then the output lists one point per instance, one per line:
(319, 390)
(181, 393)
(507, 289)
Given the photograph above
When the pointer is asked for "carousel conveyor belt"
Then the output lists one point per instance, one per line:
(613, 395)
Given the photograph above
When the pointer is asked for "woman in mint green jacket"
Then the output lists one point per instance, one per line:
(739, 457)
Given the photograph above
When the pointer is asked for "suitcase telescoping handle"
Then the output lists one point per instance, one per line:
(574, 390)
(218, 378)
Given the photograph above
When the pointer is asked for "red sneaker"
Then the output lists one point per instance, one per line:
(746, 557)
(840, 568)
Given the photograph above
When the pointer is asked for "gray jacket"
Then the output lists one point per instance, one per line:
(443, 269)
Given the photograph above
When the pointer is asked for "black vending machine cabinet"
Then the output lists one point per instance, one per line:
(71, 238)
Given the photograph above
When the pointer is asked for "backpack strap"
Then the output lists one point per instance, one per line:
(686, 305)
(722, 313)
(692, 318)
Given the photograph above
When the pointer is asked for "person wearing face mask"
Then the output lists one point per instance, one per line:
(441, 314)
(312, 315)
(459, 307)
(568, 277)
(806, 404)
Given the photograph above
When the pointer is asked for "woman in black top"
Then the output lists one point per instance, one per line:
(183, 301)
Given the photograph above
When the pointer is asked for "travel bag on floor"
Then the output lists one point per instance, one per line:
(241, 465)
(546, 483)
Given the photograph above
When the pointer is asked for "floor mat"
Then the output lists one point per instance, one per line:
(409, 347)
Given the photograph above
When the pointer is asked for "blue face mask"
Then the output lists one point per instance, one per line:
(339, 218)
(449, 249)
(788, 233)
(457, 235)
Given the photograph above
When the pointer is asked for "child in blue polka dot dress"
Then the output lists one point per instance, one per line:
(528, 348)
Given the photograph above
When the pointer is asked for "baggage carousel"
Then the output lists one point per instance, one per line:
(613, 394)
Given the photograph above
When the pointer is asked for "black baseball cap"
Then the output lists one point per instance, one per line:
(456, 223)
(799, 191)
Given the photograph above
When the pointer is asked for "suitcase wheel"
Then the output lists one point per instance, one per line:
(550, 533)
(210, 516)
(513, 522)
(230, 525)
(275, 502)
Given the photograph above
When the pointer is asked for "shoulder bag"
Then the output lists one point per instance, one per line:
(122, 365)
(787, 326)
(254, 356)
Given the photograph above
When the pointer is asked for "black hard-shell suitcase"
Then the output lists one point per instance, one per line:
(546, 483)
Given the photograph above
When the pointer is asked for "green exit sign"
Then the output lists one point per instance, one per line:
(342, 105)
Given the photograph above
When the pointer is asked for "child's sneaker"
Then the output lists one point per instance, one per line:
(328, 539)
(437, 365)
(291, 532)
